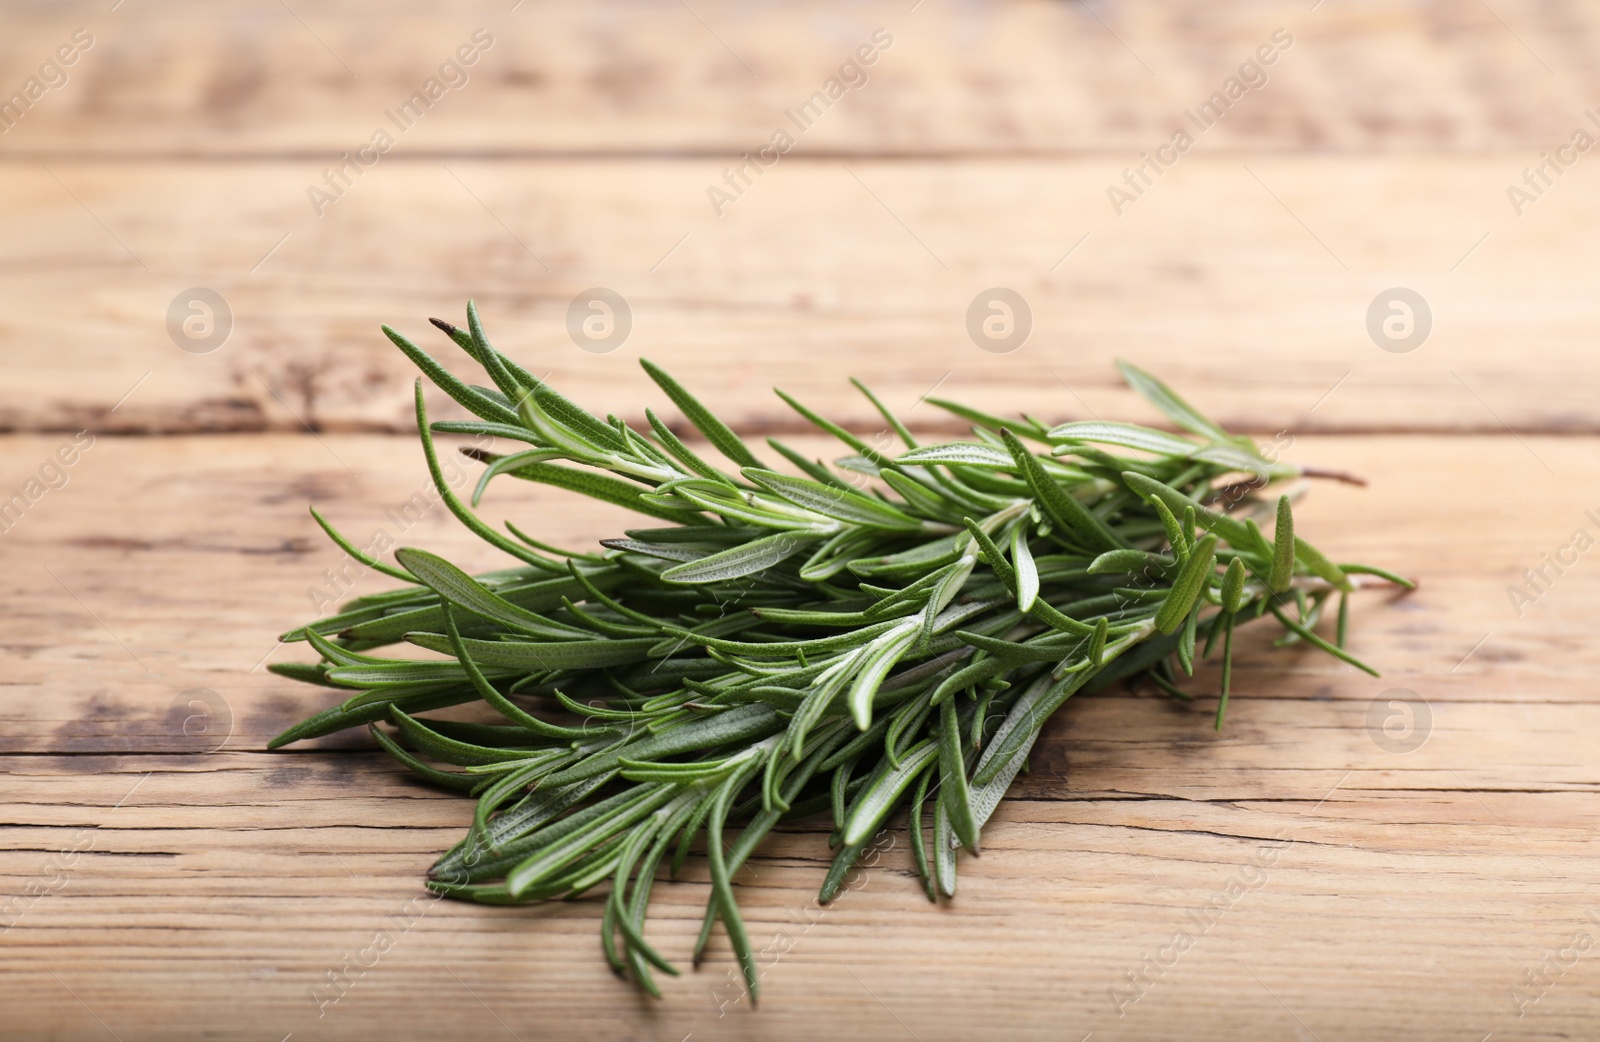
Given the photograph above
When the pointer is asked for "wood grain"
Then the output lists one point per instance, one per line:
(1393, 895)
(244, 78)
(196, 886)
(1245, 284)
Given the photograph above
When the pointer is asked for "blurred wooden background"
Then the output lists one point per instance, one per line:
(1423, 892)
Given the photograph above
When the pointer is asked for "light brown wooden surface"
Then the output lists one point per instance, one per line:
(1417, 888)
(212, 886)
(180, 151)
(256, 78)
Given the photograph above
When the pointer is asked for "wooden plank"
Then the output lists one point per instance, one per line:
(240, 78)
(1248, 286)
(211, 891)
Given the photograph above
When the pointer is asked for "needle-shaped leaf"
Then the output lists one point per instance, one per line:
(1186, 588)
(1320, 566)
(716, 432)
(602, 487)
(1167, 400)
(1282, 573)
(960, 454)
(562, 654)
(840, 504)
(1022, 425)
(457, 587)
(1312, 638)
(473, 400)
(880, 657)
(360, 555)
(1027, 571)
(687, 456)
(1122, 435)
(1233, 586)
(954, 791)
(737, 562)
(874, 804)
(1062, 508)
(1231, 530)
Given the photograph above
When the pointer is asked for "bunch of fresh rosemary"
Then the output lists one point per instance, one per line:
(890, 631)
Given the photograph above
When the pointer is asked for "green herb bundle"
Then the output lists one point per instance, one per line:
(888, 632)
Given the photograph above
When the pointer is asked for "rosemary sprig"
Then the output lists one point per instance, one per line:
(878, 634)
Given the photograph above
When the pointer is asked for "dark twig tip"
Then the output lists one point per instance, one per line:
(446, 327)
(1333, 475)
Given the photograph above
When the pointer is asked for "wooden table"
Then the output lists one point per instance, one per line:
(1335, 882)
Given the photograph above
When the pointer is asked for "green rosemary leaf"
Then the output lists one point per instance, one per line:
(868, 452)
(735, 505)
(1042, 649)
(685, 455)
(1060, 506)
(944, 851)
(303, 672)
(1282, 573)
(888, 416)
(722, 883)
(511, 432)
(1097, 642)
(1023, 426)
(1382, 573)
(565, 654)
(919, 839)
(812, 469)
(716, 432)
(455, 505)
(839, 504)
(1232, 531)
(459, 588)
(501, 704)
(472, 400)
(837, 554)
(1027, 577)
(1166, 399)
(741, 723)
(878, 658)
(365, 558)
(1173, 529)
(1186, 588)
(337, 655)
(875, 802)
(956, 796)
(448, 749)
(447, 779)
(1005, 753)
(1310, 637)
(597, 486)
(337, 718)
(736, 562)
(973, 673)
(1122, 435)
(502, 464)
(1131, 562)
(1320, 566)
(1232, 457)
(566, 849)
(1233, 587)
(1227, 668)
(1186, 643)
(962, 454)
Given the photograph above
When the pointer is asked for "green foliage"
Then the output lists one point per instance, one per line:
(881, 634)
